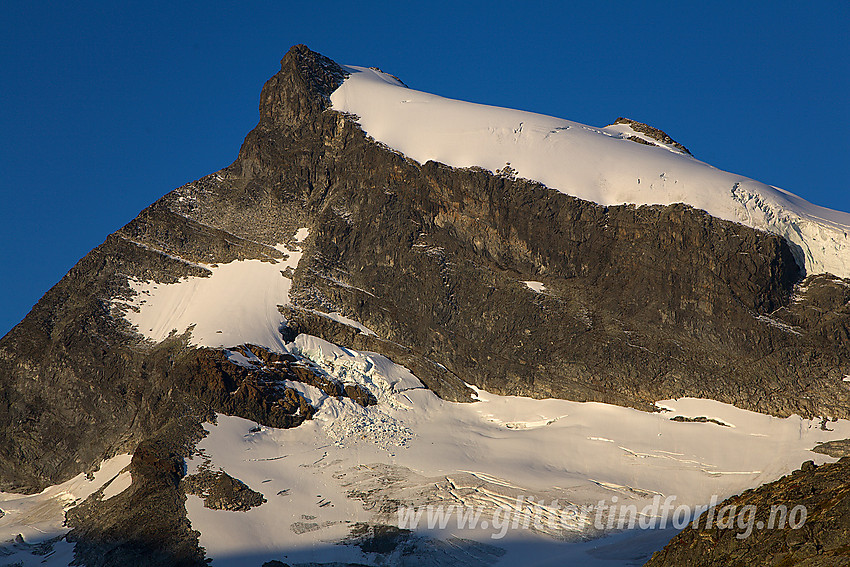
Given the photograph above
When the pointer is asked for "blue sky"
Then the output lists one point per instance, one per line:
(105, 107)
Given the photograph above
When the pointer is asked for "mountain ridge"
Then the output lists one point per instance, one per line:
(478, 210)
(636, 304)
(592, 163)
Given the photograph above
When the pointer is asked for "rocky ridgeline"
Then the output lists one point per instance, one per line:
(823, 540)
(642, 303)
(145, 524)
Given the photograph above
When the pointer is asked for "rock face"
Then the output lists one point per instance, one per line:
(640, 304)
(820, 541)
(643, 303)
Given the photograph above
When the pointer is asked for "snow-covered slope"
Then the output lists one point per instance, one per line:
(354, 464)
(236, 304)
(596, 164)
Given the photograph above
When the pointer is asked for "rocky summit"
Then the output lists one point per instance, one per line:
(326, 290)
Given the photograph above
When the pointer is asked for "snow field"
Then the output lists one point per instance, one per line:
(414, 449)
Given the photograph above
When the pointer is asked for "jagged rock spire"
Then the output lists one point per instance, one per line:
(301, 89)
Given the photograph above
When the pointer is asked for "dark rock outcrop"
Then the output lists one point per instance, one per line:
(837, 449)
(701, 419)
(144, 525)
(257, 395)
(652, 132)
(221, 491)
(821, 540)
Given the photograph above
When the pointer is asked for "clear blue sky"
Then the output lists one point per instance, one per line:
(103, 109)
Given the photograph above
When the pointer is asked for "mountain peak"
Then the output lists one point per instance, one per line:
(302, 87)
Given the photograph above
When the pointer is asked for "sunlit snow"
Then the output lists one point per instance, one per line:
(415, 448)
(535, 286)
(596, 164)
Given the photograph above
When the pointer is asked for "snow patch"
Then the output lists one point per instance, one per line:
(301, 234)
(237, 304)
(535, 286)
(121, 483)
(340, 318)
(779, 324)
